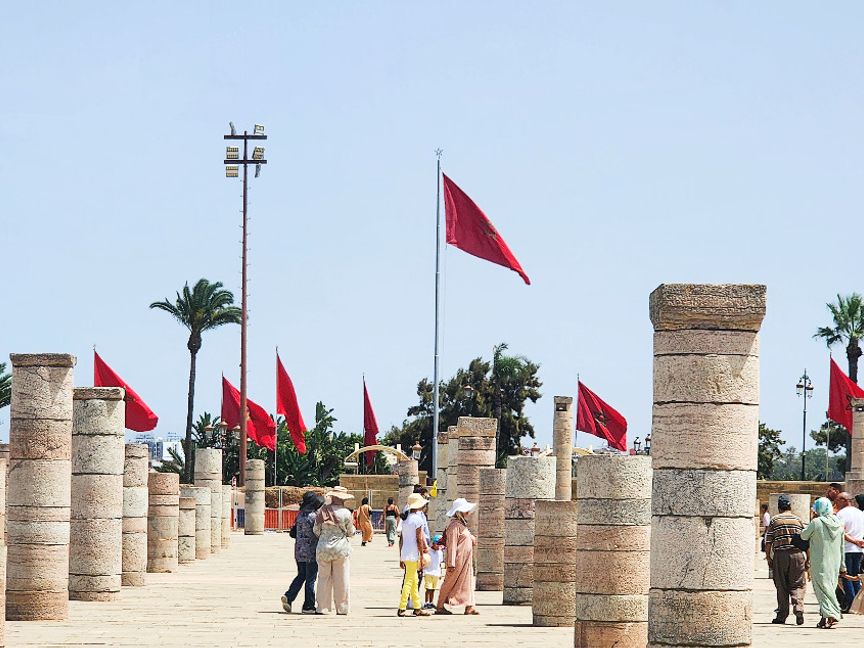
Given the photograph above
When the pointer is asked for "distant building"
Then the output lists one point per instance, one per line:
(159, 447)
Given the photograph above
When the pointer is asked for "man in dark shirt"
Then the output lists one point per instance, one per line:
(788, 562)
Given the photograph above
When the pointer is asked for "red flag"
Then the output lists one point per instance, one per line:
(840, 390)
(471, 231)
(260, 428)
(286, 405)
(370, 425)
(597, 417)
(139, 417)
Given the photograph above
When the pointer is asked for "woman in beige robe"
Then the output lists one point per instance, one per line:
(364, 522)
(459, 581)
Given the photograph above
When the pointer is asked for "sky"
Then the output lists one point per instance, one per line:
(616, 146)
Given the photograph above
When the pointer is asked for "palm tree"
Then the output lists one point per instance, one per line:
(207, 306)
(512, 381)
(848, 329)
(5, 386)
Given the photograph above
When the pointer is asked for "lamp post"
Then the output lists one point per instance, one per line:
(804, 388)
(232, 170)
(637, 445)
(648, 444)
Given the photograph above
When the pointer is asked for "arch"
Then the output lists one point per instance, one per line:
(400, 456)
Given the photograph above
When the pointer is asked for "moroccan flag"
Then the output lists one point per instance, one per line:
(139, 417)
(471, 231)
(841, 389)
(286, 405)
(260, 428)
(370, 425)
(597, 417)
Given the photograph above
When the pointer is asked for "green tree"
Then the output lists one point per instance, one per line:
(207, 306)
(769, 450)
(5, 386)
(831, 433)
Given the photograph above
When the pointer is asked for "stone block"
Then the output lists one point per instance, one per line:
(97, 496)
(738, 307)
(519, 532)
(705, 342)
(41, 392)
(625, 512)
(706, 379)
(42, 439)
(589, 634)
(38, 483)
(97, 455)
(530, 477)
(595, 570)
(613, 538)
(517, 596)
(614, 477)
(609, 608)
(722, 493)
(711, 618)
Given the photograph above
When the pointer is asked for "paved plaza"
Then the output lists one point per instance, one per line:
(232, 599)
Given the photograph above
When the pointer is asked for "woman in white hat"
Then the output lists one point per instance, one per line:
(458, 587)
(334, 527)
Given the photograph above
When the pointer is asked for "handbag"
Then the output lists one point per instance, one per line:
(857, 606)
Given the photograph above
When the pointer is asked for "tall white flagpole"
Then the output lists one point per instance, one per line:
(435, 380)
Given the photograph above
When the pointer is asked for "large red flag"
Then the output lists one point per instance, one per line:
(260, 428)
(840, 390)
(595, 416)
(139, 417)
(471, 231)
(370, 425)
(286, 405)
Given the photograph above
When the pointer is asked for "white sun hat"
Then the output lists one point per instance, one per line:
(460, 505)
(340, 493)
(416, 501)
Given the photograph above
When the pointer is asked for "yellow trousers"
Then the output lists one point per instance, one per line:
(410, 586)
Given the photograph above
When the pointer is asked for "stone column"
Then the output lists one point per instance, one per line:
(562, 442)
(408, 479)
(96, 541)
(254, 498)
(3, 553)
(438, 506)
(162, 521)
(855, 476)
(227, 496)
(39, 492)
(452, 464)
(704, 447)
(208, 473)
(135, 505)
(203, 520)
(186, 531)
(612, 550)
(476, 450)
(490, 532)
(528, 479)
(553, 600)
(800, 505)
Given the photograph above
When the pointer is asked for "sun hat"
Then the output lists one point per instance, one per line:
(340, 493)
(460, 505)
(416, 501)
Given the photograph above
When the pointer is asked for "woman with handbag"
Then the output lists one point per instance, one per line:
(825, 534)
(305, 542)
(458, 587)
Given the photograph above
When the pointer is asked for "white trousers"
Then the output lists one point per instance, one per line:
(333, 585)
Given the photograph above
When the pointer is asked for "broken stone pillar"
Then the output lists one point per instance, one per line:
(704, 448)
(135, 505)
(254, 498)
(39, 487)
(562, 443)
(612, 550)
(203, 502)
(528, 479)
(407, 471)
(96, 541)
(490, 531)
(208, 473)
(162, 521)
(186, 531)
(227, 496)
(800, 505)
(477, 446)
(855, 476)
(553, 600)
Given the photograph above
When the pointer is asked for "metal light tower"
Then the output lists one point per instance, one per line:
(804, 388)
(233, 161)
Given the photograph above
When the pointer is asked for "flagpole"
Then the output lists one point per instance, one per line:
(435, 395)
(576, 440)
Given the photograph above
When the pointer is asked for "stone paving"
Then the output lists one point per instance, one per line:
(232, 599)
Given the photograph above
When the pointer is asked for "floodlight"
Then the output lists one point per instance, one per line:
(233, 130)
(259, 129)
(257, 170)
(232, 152)
(232, 171)
(258, 153)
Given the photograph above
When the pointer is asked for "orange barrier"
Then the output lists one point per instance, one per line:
(273, 521)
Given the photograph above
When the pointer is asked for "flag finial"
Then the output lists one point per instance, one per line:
(439, 152)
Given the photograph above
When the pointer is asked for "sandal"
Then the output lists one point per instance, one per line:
(400, 613)
(442, 611)
(830, 623)
(473, 612)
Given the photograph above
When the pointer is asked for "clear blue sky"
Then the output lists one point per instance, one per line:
(616, 146)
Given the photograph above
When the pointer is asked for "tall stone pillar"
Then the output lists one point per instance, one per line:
(254, 498)
(203, 520)
(477, 446)
(612, 550)
(562, 443)
(208, 473)
(704, 442)
(452, 464)
(162, 521)
(407, 471)
(528, 479)
(553, 600)
(135, 505)
(438, 506)
(96, 541)
(186, 531)
(2, 554)
(490, 530)
(855, 476)
(39, 487)
(227, 496)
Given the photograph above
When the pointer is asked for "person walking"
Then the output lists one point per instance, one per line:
(786, 561)
(412, 551)
(334, 529)
(853, 534)
(364, 521)
(305, 542)
(825, 534)
(391, 521)
(458, 586)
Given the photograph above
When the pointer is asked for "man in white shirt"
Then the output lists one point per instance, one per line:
(853, 526)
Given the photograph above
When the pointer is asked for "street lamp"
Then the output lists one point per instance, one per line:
(232, 163)
(804, 388)
(637, 445)
(223, 434)
(648, 444)
(416, 449)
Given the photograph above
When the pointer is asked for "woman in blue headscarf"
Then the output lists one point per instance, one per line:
(825, 533)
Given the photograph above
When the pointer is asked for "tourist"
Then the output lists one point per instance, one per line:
(853, 533)
(458, 586)
(305, 543)
(832, 492)
(786, 561)
(432, 573)
(413, 550)
(364, 521)
(825, 534)
(391, 521)
(334, 529)
(766, 520)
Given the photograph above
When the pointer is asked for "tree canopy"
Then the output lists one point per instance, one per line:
(5, 386)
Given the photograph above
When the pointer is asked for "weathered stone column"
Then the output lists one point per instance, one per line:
(553, 600)
(162, 521)
(855, 476)
(562, 442)
(704, 447)
(186, 531)
(528, 479)
(203, 520)
(490, 531)
(135, 505)
(39, 496)
(227, 496)
(452, 464)
(612, 550)
(208, 473)
(438, 506)
(96, 541)
(477, 446)
(2, 554)
(800, 505)
(254, 498)
(408, 478)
